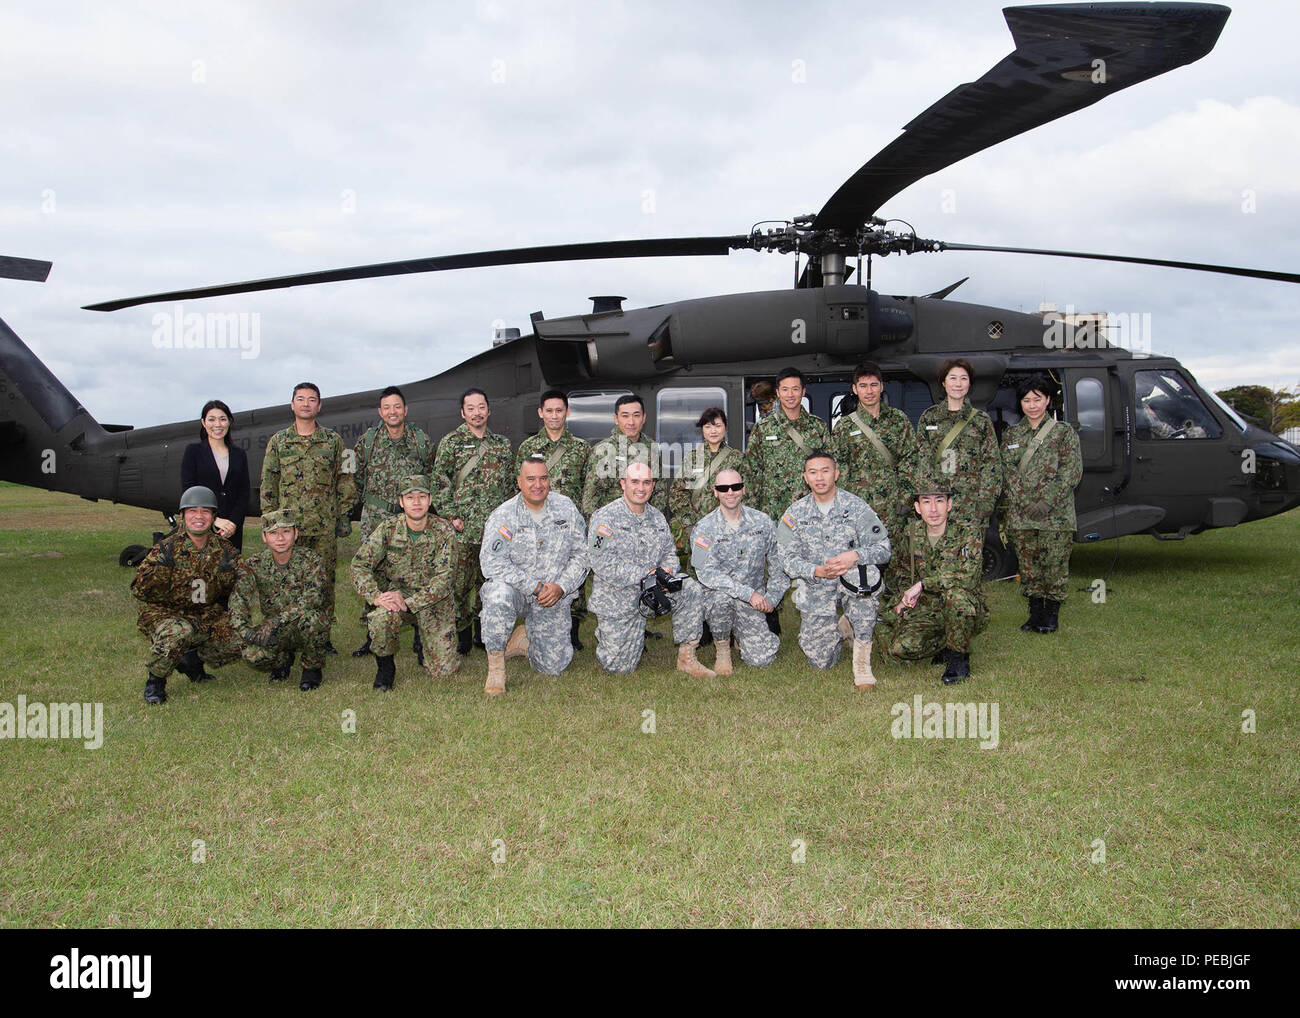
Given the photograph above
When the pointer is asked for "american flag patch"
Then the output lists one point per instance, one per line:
(604, 531)
(788, 520)
(703, 542)
(505, 532)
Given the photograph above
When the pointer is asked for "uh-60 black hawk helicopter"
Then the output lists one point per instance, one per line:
(1161, 455)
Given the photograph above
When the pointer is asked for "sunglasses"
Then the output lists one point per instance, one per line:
(740, 486)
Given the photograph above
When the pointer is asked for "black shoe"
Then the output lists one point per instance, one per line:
(774, 622)
(155, 689)
(191, 666)
(330, 648)
(465, 640)
(280, 674)
(385, 673)
(1048, 622)
(311, 678)
(957, 666)
(706, 636)
(478, 635)
(1035, 614)
(574, 623)
(417, 645)
(364, 649)
(938, 658)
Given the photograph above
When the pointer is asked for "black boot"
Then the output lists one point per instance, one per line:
(330, 648)
(385, 673)
(478, 634)
(311, 678)
(938, 658)
(1048, 622)
(465, 640)
(191, 666)
(706, 637)
(417, 645)
(957, 666)
(774, 622)
(1035, 614)
(574, 623)
(364, 649)
(155, 689)
(280, 674)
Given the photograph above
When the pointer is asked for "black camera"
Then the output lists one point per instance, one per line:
(655, 589)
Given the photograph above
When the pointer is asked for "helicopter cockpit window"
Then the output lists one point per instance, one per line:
(1090, 407)
(676, 411)
(591, 414)
(1167, 407)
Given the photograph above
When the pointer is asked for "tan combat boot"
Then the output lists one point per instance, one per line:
(862, 677)
(722, 662)
(517, 645)
(846, 628)
(687, 661)
(496, 676)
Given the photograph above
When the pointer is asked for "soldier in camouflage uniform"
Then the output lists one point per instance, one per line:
(534, 556)
(406, 570)
(566, 458)
(734, 552)
(626, 541)
(779, 444)
(612, 455)
(691, 496)
(387, 453)
(875, 448)
(822, 537)
(183, 585)
(1042, 466)
(959, 442)
(289, 584)
(944, 608)
(304, 470)
(474, 471)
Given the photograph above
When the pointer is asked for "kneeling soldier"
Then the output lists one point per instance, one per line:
(289, 584)
(417, 553)
(729, 549)
(534, 557)
(944, 607)
(829, 541)
(627, 541)
(184, 583)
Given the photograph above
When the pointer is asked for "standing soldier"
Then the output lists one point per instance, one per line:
(474, 468)
(303, 470)
(386, 454)
(628, 541)
(876, 449)
(613, 454)
(691, 496)
(534, 557)
(1042, 467)
(830, 541)
(183, 585)
(566, 458)
(958, 441)
(734, 552)
(289, 584)
(406, 571)
(778, 446)
(943, 608)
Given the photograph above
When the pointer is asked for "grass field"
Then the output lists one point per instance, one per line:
(773, 797)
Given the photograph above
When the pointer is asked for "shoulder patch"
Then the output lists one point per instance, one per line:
(604, 530)
(505, 532)
(788, 520)
(703, 541)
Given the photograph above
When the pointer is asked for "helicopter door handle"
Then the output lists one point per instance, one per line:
(1142, 459)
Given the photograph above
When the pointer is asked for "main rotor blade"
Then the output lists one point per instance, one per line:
(1227, 270)
(1067, 57)
(24, 268)
(666, 247)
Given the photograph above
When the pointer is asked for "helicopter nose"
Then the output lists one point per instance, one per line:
(1277, 476)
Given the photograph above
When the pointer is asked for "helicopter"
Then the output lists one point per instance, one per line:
(1162, 456)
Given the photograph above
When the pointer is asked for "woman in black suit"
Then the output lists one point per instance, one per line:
(214, 463)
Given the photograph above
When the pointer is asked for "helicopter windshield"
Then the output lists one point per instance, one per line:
(1168, 407)
(1232, 414)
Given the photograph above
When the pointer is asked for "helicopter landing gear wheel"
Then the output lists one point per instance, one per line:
(132, 555)
(999, 560)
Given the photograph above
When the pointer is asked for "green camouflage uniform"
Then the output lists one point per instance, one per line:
(951, 609)
(971, 463)
(471, 477)
(609, 460)
(420, 567)
(691, 496)
(382, 464)
(305, 473)
(184, 593)
(293, 596)
(864, 470)
(1039, 508)
(566, 461)
(773, 461)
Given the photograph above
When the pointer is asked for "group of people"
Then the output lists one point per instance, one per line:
(471, 540)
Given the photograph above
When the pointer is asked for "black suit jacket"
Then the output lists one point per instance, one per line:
(199, 467)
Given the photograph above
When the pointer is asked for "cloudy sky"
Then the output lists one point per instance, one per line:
(148, 147)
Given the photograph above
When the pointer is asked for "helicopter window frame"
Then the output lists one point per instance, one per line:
(1171, 409)
(583, 417)
(1237, 422)
(1090, 416)
(672, 437)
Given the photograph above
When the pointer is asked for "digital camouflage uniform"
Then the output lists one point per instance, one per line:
(293, 597)
(472, 476)
(566, 464)
(305, 473)
(731, 564)
(971, 464)
(951, 609)
(184, 592)
(518, 555)
(883, 483)
(382, 465)
(624, 547)
(806, 538)
(419, 566)
(691, 496)
(608, 463)
(773, 461)
(1039, 504)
